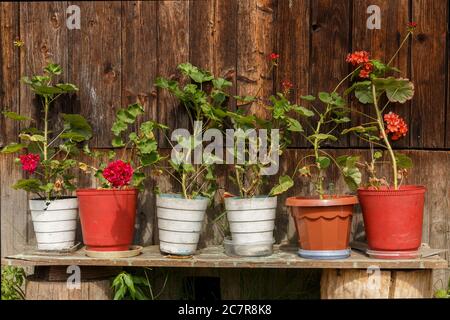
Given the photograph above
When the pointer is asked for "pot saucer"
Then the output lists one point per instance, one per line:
(324, 254)
(131, 252)
(412, 254)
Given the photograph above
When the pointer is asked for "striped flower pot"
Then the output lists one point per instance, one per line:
(251, 220)
(180, 221)
(54, 223)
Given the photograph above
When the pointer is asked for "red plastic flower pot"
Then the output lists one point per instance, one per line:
(107, 218)
(393, 218)
(323, 224)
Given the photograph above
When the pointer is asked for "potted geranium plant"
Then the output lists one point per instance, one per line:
(47, 161)
(181, 215)
(323, 221)
(392, 211)
(251, 214)
(108, 213)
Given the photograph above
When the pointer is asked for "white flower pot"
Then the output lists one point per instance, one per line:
(251, 220)
(179, 223)
(54, 224)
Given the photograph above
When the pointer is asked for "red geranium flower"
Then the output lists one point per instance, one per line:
(118, 173)
(286, 85)
(395, 125)
(412, 25)
(274, 56)
(358, 57)
(29, 162)
(366, 69)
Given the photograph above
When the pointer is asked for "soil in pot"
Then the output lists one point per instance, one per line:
(54, 222)
(180, 222)
(393, 218)
(107, 218)
(323, 225)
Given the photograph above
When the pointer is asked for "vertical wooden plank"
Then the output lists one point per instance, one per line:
(382, 44)
(139, 65)
(225, 42)
(292, 44)
(255, 43)
(13, 208)
(43, 29)
(428, 65)
(201, 34)
(447, 84)
(330, 42)
(95, 66)
(9, 71)
(173, 45)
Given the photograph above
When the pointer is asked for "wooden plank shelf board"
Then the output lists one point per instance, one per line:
(214, 257)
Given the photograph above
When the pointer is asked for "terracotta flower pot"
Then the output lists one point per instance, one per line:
(107, 218)
(393, 218)
(323, 225)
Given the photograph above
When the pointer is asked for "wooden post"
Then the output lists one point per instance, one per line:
(373, 284)
(50, 283)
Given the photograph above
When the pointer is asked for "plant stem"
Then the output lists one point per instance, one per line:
(400, 47)
(385, 138)
(46, 107)
(183, 184)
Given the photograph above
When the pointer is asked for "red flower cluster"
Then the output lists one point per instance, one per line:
(118, 173)
(29, 162)
(395, 125)
(273, 56)
(358, 57)
(366, 69)
(412, 25)
(361, 58)
(286, 85)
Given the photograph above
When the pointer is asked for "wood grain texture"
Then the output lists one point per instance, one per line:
(9, 71)
(13, 208)
(428, 65)
(173, 45)
(376, 284)
(292, 20)
(255, 43)
(95, 58)
(284, 257)
(330, 42)
(382, 44)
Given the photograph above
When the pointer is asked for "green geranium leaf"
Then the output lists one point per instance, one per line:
(29, 185)
(12, 147)
(323, 162)
(342, 120)
(294, 125)
(118, 127)
(77, 124)
(221, 83)
(397, 90)
(322, 136)
(284, 184)
(117, 142)
(305, 112)
(308, 98)
(15, 116)
(325, 97)
(53, 68)
(360, 129)
(67, 87)
(403, 161)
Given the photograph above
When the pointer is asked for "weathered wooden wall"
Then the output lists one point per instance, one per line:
(123, 46)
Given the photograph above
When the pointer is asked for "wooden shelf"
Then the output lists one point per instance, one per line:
(214, 257)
